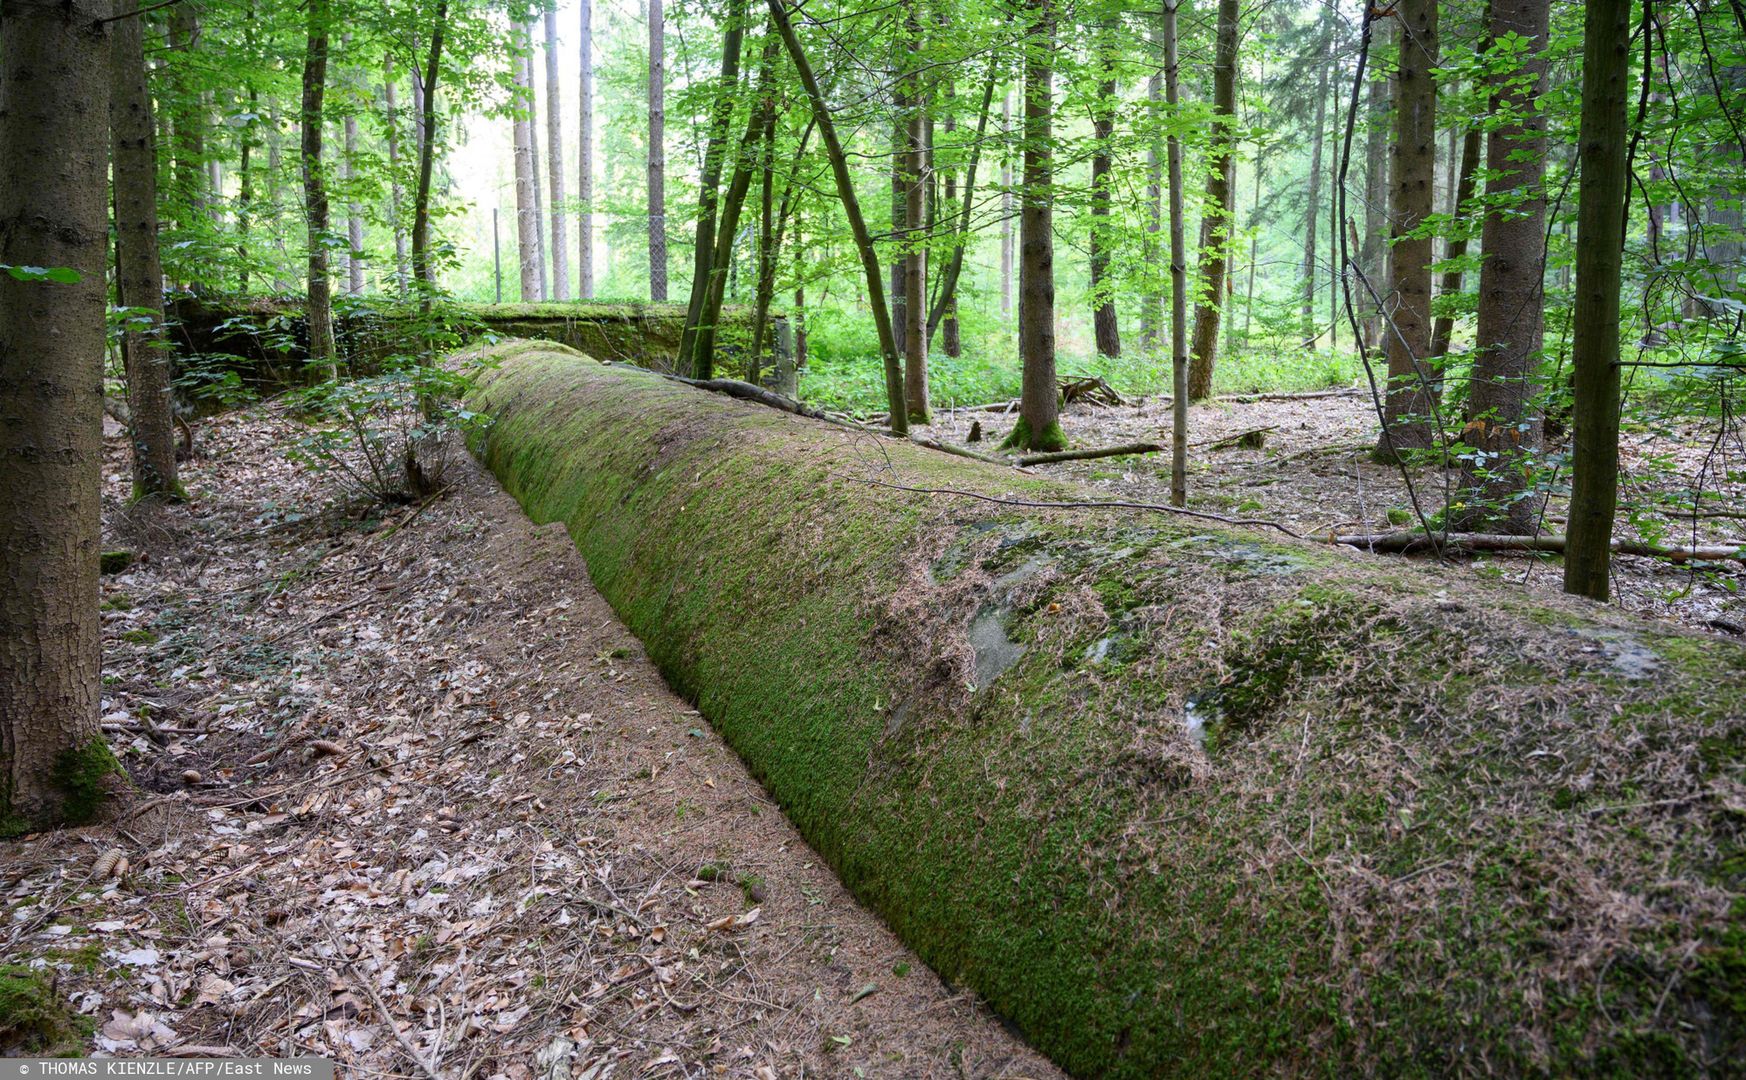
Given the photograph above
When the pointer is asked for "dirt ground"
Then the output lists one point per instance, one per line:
(1314, 475)
(413, 799)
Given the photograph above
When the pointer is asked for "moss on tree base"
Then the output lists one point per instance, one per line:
(1052, 440)
(1175, 799)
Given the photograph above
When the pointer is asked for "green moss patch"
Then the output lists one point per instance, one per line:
(33, 1018)
(1359, 863)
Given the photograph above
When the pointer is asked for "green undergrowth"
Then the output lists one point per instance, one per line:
(34, 1019)
(1175, 799)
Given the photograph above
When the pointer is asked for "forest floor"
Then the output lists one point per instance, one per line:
(1314, 474)
(411, 798)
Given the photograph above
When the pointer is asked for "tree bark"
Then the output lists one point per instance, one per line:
(1178, 269)
(915, 253)
(657, 157)
(139, 277)
(585, 156)
(1374, 250)
(54, 145)
(323, 356)
(422, 264)
(709, 186)
(1039, 425)
(1312, 214)
(1006, 205)
(1600, 240)
(1220, 207)
(541, 262)
(852, 210)
(1410, 394)
(527, 239)
(1105, 326)
(188, 126)
(1503, 423)
(560, 278)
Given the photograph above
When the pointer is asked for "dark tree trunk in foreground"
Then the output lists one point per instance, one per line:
(709, 193)
(852, 211)
(54, 148)
(527, 239)
(139, 278)
(1600, 240)
(657, 157)
(1504, 423)
(1410, 391)
(560, 280)
(1106, 328)
(1039, 425)
(322, 353)
(1220, 208)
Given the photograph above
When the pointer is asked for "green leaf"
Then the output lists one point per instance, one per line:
(59, 274)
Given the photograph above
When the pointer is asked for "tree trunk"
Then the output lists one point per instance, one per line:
(422, 264)
(1220, 207)
(948, 301)
(1006, 205)
(657, 157)
(950, 341)
(1504, 424)
(560, 279)
(1152, 304)
(188, 142)
(894, 399)
(139, 278)
(323, 355)
(771, 251)
(396, 194)
(585, 157)
(1410, 394)
(748, 160)
(1039, 425)
(1600, 239)
(1312, 209)
(54, 145)
(1443, 329)
(354, 212)
(527, 240)
(899, 270)
(709, 185)
(1374, 250)
(1106, 329)
(539, 187)
(915, 254)
(1178, 269)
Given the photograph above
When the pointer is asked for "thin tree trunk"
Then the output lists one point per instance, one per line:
(1374, 256)
(771, 252)
(1312, 212)
(539, 187)
(1006, 205)
(354, 212)
(139, 277)
(282, 284)
(585, 157)
(1503, 423)
(396, 195)
(1410, 399)
(526, 182)
(1178, 270)
(560, 281)
(709, 186)
(948, 300)
(1254, 241)
(899, 269)
(915, 256)
(188, 143)
(733, 203)
(657, 157)
(1039, 425)
(852, 211)
(54, 144)
(1105, 327)
(1220, 206)
(950, 342)
(1152, 304)
(1443, 330)
(422, 264)
(1600, 239)
(323, 356)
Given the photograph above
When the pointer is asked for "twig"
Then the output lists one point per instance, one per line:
(1095, 452)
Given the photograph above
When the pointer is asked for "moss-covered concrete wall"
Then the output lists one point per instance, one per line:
(1175, 798)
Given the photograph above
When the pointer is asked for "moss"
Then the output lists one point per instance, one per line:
(1042, 839)
(83, 777)
(114, 562)
(33, 1018)
(139, 636)
(118, 602)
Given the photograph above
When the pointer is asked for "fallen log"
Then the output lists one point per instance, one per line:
(1175, 797)
(1409, 541)
(1090, 454)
